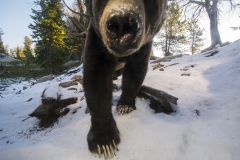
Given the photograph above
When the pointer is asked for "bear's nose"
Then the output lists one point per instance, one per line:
(122, 25)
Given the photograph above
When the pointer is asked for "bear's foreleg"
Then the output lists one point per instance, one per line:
(99, 67)
(134, 73)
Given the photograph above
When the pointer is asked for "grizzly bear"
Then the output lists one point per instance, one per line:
(119, 41)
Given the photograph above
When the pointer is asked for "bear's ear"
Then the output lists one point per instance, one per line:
(89, 7)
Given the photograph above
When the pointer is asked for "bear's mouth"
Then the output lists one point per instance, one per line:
(122, 52)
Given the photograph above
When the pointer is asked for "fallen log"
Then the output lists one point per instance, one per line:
(214, 47)
(68, 84)
(210, 53)
(158, 65)
(157, 105)
(161, 95)
(166, 59)
(73, 71)
(159, 100)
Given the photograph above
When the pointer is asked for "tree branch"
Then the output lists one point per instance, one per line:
(77, 24)
(199, 3)
(81, 14)
(79, 35)
(197, 11)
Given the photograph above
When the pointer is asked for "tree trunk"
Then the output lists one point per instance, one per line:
(193, 41)
(166, 45)
(169, 45)
(213, 17)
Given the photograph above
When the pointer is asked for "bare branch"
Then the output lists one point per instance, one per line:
(76, 23)
(197, 2)
(198, 11)
(79, 35)
(70, 8)
(3, 71)
(231, 4)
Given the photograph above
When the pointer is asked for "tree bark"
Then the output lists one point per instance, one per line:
(158, 94)
(166, 44)
(212, 11)
(166, 59)
(213, 17)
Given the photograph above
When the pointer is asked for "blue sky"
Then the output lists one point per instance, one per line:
(15, 18)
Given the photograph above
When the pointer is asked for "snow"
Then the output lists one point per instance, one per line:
(6, 58)
(212, 90)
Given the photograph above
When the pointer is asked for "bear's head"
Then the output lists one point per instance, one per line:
(126, 25)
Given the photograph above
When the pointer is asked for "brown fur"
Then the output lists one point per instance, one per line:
(119, 38)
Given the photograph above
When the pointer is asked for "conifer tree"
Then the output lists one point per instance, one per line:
(172, 35)
(1, 46)
(12, 52)
(27, 49)
(19, 52)
(1, 42)
(49, 32)
(195, 34)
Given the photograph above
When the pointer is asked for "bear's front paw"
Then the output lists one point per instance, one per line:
(103, 141)
(125, 109)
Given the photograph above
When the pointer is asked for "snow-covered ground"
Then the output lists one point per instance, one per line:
(205, 126)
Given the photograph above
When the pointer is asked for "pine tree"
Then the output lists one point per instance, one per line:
(1, 46)
(172, 35)
(49, 30)
(12, 52)
(1, 42)
(195, 34)
(19, 52)
(28, 52)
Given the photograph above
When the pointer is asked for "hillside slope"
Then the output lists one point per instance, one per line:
(205, 126)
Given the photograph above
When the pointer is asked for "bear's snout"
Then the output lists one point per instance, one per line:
(121, 29)
(122, 25)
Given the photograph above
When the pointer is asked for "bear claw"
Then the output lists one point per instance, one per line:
(108, 150)
(125, 109)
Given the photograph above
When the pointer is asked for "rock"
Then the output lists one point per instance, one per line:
(73, 89)
(24, 87)
(51, 93)
(51, 103)
(45, 78)
(48, 100)
(50, 111)
(68, 84)
(70, 63)
(78, 78)
(185, 74)
(6, 58)
(44, 109)
(153, 57)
